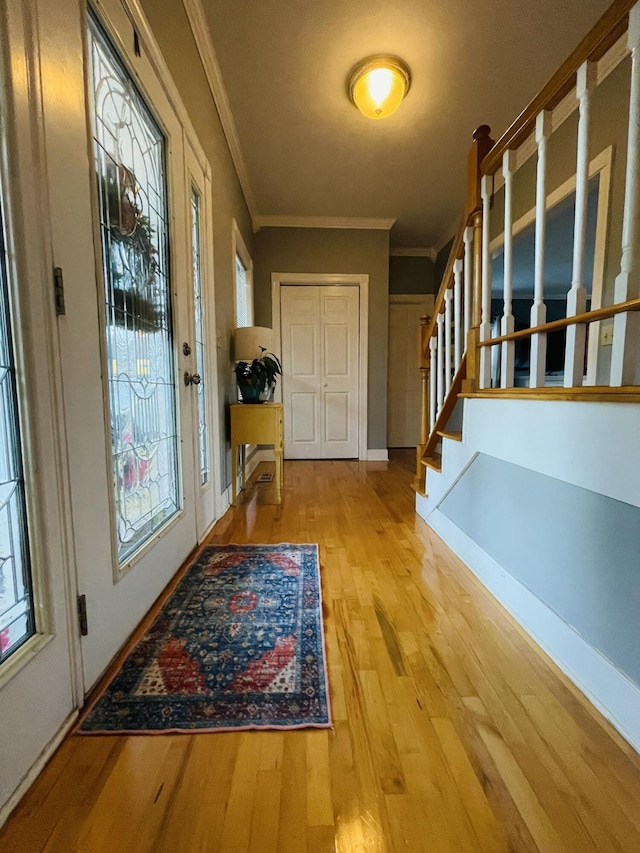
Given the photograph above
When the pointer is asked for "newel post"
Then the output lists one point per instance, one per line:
(424, 356)
(482, 144)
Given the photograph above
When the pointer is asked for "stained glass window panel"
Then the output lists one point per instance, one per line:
(17, 622)
(129, 150)
(198, 308)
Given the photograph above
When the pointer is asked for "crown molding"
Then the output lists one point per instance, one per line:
(410, 252)
(344, 222)
(204, 44)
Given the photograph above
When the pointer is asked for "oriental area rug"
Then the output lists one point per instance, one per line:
(238, 645)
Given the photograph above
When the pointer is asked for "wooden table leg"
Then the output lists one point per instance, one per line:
(278, 455)
(234, 473)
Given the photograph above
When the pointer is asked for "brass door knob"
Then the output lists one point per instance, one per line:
(192, 378)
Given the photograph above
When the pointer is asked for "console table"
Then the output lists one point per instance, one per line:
(258, 423)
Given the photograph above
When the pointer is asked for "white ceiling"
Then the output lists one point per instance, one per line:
(307, 150)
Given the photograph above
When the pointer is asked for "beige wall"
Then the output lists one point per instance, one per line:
(408, 274)
(316, 250)
(171, 28)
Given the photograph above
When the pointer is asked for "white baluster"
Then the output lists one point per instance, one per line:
(433, 372)
(468, 279)
(577, 295)
(625, 359)
(448, 317)
(457, 312)
(440, 362)
(485, 325)
(508, 324)
(539, 309)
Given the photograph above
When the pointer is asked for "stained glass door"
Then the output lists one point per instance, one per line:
(130, 163)
(139, 172)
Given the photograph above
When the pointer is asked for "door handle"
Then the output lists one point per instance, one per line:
(192, 378)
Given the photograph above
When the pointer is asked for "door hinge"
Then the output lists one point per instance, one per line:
(82, 615)
(58, 291)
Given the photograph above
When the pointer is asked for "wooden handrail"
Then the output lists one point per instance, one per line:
(554, 325)
(611, 26)
(581, 394)
(447, 407)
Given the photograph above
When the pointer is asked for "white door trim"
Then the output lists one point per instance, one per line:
(278, 279)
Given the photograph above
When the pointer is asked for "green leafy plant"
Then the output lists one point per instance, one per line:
(261, 373)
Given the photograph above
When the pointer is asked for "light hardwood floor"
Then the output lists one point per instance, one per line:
(452, 731)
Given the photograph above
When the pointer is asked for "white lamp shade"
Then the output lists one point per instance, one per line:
(247, 342)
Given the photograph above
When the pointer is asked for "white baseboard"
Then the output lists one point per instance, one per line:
(260, 454)
(37, 767)
(381, 455)
(613, 694)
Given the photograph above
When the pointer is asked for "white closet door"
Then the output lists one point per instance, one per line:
(320, 345)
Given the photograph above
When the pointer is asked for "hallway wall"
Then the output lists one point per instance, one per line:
(328, 250)
(172, 30)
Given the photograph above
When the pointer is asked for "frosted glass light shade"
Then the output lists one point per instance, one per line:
(378, 85)
(248, 340)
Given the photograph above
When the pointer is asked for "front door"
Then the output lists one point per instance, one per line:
(320, 356)
(38, 689)
(130, 415)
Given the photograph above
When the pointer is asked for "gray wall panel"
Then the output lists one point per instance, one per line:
(576, 550)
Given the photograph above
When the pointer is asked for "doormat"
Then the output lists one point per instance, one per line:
(238, 645)
(264, 478)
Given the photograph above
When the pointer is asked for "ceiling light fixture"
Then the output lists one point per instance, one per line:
(378, 85)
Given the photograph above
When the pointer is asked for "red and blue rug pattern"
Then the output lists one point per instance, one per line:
(238, 645)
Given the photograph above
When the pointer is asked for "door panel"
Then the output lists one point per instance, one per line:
(304, 418)
(117, 596)
(320, 350)
(404, 392)
(336, 411)
(38, 687)
(202, 359)
(304, 349)
(336, 351)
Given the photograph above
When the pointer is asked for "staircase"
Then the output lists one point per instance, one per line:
(529, 457)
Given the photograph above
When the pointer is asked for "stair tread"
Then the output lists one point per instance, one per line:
(434, 461)
(454, 435)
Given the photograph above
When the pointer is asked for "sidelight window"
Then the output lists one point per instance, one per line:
(198, 308)
(17, 618)
(130, 163)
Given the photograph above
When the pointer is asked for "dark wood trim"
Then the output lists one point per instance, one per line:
(447, 409)
(584, 394)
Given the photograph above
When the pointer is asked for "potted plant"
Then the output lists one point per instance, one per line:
(256, 377)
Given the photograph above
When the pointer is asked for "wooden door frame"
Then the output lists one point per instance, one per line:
(280, 279)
